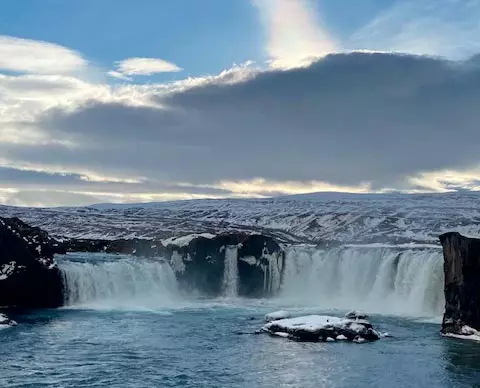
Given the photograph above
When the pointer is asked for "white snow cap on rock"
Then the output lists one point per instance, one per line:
(322, 328)
(277, 315)
(5, 322)
(6, 270)
(466, 332)
(185, 240)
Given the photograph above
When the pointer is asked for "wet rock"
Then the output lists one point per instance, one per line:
(462, 284)
(200, 263)
(6, 322)
(29, 276)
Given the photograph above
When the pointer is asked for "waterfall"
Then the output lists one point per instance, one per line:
(230, 274)
(272, 272)
(93, 279)
(385, 280)
(376, 279)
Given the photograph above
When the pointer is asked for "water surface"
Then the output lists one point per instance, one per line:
(210, 344)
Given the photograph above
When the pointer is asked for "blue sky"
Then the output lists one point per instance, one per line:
(200, 36)
(208, 36)
(150, 100)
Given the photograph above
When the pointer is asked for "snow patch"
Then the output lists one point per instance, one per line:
(249, 259)
(277, 315)
(318, 327)
(5, 322)
(466, 332)
(281, 334)
(310, 323)
(186, 240)
(7, 269)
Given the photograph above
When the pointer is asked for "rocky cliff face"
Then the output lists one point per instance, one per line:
(201, 264)
(29, 276)
(462, 284)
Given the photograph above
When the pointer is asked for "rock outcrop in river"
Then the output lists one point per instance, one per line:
(322, 328)
(462, 284)
(29, 276)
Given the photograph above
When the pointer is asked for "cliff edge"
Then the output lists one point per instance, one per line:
(462, 284)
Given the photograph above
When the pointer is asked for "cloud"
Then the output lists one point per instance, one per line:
(144, 66)
(260, 187)
(294, 36)
(447, 28)
(38, 57)
(348, 120)
(118, 75)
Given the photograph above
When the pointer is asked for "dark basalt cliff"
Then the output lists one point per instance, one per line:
(462, 283)
(200, 265)
(29, 276)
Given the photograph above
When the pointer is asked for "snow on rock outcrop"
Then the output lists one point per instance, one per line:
(465, 332)
(183, 241)
(315, 328)
(277, 315)
(5, 322)
(29, 276)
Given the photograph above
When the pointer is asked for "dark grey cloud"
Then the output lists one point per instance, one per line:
(346, 119)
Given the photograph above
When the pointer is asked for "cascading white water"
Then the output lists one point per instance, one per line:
(272, 272)
(230, 274)
(376, 279)
(121, 281)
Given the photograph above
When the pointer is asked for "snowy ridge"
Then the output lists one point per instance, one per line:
(314, 218)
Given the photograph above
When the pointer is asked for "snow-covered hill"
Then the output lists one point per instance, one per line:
(345, 218)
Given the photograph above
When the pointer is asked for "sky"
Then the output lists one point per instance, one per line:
(138, 101)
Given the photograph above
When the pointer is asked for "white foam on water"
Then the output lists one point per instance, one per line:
(382, 280)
